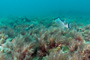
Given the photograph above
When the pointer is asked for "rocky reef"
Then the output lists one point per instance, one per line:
(38, 39)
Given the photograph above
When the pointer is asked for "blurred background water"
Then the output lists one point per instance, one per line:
(33, 29)
(43, 7)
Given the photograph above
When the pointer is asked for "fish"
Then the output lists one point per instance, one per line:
(61, 24)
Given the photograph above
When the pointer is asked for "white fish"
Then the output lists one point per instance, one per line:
(60, 23)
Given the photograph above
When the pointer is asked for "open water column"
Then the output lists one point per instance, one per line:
(44, 29)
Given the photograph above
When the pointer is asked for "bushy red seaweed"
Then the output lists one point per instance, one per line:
(29, 42)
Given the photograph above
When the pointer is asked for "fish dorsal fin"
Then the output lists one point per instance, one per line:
(60, 23)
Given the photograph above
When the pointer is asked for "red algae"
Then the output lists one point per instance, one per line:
(36, 41)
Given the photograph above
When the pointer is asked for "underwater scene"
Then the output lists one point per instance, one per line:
(44, 29)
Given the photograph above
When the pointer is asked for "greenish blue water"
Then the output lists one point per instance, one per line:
(42, 7)
(69, 10)
(33, 28)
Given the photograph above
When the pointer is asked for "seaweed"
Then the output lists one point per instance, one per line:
(36, 41)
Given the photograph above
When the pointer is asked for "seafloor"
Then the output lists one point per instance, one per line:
(39, 38)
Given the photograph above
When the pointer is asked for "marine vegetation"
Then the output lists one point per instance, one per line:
(30, 39)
